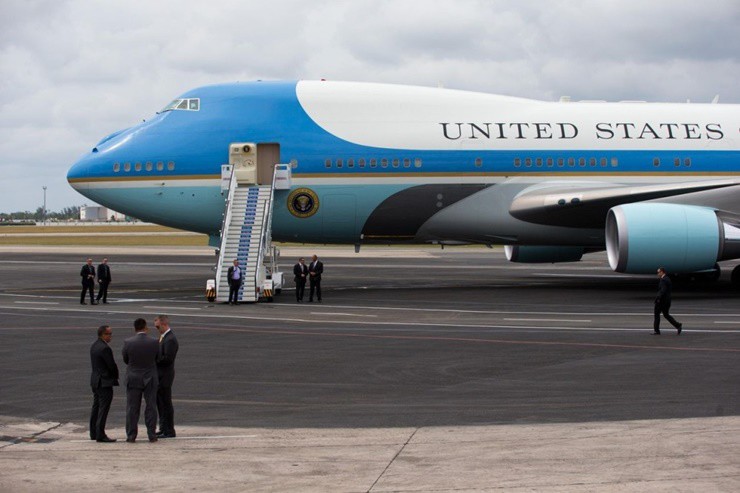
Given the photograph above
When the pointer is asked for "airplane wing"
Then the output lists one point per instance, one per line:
(584, 205)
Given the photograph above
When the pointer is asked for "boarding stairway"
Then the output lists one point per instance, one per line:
(246, 235)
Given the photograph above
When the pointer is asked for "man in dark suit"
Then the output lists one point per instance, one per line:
(314, 272)
(300, 271)
(168, 347)
(140, 354)
(663, 303)
(235, 276)
(102, 380)
(88, 282)
(104, 279)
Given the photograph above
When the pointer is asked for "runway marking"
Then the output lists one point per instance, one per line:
(543, 320)
(38, 302)
(177, 308)
(343, 314)
(733, 322)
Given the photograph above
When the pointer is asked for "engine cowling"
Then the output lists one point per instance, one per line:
(641, 237)
(530, 254)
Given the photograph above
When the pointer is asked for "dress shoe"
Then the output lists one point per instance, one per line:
(130, 440)
(106, 440)
(83, 303)
(93, 302)
(656, 333)
(153, 439)
(166, 435)
(93, 438)
(680, 328)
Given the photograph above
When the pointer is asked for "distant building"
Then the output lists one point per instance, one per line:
(99, 213)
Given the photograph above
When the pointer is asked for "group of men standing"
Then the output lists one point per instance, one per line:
(150, 374)
(312, 272)
(88, 275)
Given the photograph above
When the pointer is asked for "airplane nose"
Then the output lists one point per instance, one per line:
(78, 173)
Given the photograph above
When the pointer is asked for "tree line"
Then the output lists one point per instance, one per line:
(66, 213)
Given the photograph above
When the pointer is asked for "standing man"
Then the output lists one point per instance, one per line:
(663, 303)
(314, 272)
(140, 354)
(104, 279)
(235, 277)
(166, 370)
(300, 271)
(102, 380)
(88, 282)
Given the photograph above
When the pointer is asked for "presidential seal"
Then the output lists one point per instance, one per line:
(303, 202)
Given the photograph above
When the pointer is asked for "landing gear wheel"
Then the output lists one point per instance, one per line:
(715, 274)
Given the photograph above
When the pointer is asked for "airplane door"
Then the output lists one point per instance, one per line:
(268, 155)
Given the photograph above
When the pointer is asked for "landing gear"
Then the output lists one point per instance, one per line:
(735, 277)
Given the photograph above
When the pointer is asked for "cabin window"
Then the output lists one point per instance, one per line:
(116, 167)
(478, 162)
(137, 166)
(406, 163)
(361, 162)
(615, 161)
(549, 162)
(571, 161)
(581, 161)
(528, 162)
(561, 162)
(327, 163)
(126, 167)
(656, 161)
(592, 161)
(149, 166)
(373, 163)
(417, 163)
(539, 162)
(603, 161)
(171, 166)
(384, 163)
(687, 161)
(396, 162)
(160, 165)
(676, 162)
(340, 163)
(517, 162)
(350, 163)
(294, 163)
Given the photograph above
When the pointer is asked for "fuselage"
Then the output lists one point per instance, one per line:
(390, 163)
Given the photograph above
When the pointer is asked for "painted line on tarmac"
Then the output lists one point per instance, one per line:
(343, 314)
(374, 324)
(38, 302)
(544, 320)
(204, 437)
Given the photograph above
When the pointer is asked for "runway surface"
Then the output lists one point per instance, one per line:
(430, 338)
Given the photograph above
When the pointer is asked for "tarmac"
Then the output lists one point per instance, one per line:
(421, 370)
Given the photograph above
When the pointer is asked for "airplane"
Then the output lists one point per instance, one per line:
(655, 184)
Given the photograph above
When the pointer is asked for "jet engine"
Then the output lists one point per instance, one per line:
(641, 237)
(530, 254)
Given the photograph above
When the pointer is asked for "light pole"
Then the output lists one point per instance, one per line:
(43, 212)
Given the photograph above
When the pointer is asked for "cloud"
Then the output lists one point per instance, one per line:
(73, 71)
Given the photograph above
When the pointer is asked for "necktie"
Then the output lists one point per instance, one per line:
(160, 338)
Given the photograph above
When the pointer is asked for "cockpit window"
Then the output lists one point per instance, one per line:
(190, 104)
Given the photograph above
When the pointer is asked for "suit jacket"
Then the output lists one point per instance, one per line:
(317, 269)
(87, 270)
(166, 360)
(664, 290)
(140, 354)
(104, 368)
(231, 271)
(104, 273)
(299, 269)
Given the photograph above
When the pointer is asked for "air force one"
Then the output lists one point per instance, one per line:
(655, 184)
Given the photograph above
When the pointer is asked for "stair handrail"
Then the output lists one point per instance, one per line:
(265, 232)
(224, 225)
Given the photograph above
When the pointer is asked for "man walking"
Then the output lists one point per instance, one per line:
(663, 303)
(88, 282)
(166, 371)
(235, 277)
(314, 273)
(140, 354)
(102, 380)
(104, 279)
(300, 271)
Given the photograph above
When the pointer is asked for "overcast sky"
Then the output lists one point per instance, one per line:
(73, 71)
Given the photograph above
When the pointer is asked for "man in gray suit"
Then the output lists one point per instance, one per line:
(140, 354)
